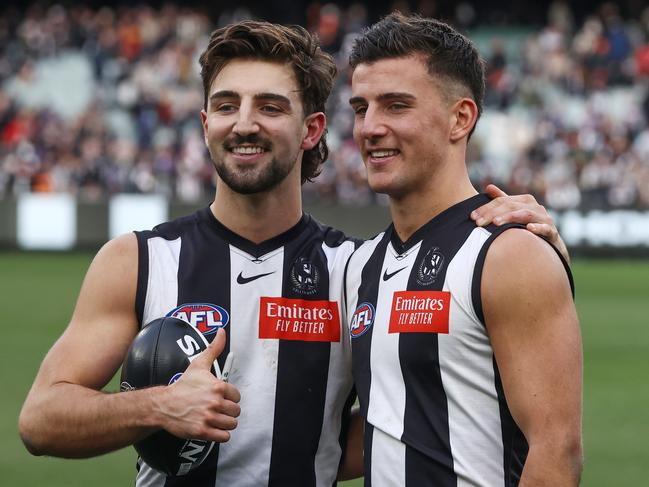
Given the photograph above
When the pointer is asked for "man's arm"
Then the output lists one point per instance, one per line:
(351, 465)
(65, 413)
(534, 331)
(523, 209)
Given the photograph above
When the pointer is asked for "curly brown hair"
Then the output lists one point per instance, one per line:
(314, 69)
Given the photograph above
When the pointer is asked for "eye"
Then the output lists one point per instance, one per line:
(397, 106)
(225, 108)
(271, 109)
(359, 110)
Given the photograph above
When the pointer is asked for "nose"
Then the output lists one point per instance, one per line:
(246, 122)
(372, 125)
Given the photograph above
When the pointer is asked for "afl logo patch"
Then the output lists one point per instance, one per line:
(305, 276)
(362, 320)
(430, 267)
(206, 318)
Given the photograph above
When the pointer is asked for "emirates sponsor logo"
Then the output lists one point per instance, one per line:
(299, 319)
(420, 311)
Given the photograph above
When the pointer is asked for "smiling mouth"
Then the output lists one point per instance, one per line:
(247, 150)
(382, 154)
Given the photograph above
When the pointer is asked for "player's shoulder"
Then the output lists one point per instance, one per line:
(519, 242)
(173, 229)
(122, 248)
(519, 254)
(367, 248)
(112, 274)
(332, 237)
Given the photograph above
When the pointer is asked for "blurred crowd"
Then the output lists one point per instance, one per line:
(95, 102)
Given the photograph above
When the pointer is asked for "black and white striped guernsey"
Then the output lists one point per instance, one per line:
(279, 304)
(423, 365)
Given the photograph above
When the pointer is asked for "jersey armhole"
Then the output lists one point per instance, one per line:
(142, 274)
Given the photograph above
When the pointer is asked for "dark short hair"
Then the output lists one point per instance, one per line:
(449, 54)
(314, 69)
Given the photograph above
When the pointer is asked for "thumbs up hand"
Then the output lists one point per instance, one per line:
(199, 405)
(207, 357)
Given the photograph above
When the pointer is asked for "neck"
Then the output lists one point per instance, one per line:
(449, 186)
(261, 216)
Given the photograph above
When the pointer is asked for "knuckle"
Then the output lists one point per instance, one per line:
(203, 431)
(217, 403)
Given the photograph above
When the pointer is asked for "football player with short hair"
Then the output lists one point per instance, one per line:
(466, 346)
(252, 265)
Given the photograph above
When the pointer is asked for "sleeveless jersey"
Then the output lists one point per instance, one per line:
(423, 366)
(278, 302)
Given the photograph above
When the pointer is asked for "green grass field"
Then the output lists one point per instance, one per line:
(38, 292)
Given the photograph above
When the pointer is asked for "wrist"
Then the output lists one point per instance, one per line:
(152, 414)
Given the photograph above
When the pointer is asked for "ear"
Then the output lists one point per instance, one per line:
(465, 115)
(204, 124)
(315, 125)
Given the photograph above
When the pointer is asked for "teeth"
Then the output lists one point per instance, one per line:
(383, 153)
(247, 150)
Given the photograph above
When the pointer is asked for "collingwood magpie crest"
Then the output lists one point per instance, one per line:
(430, 267)
(305, 276)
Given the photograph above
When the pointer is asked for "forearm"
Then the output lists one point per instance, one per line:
(72, 421)
(352, 463)
(553, 464)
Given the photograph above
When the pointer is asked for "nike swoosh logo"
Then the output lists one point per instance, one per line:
(246, 280)
(387, 276)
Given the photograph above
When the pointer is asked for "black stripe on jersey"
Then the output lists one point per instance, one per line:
(204, 277)
(368, 434)
(300, 392)
(515, 445)
(142, 273)
(368, 292)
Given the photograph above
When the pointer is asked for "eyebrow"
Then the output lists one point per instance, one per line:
(259, 96)
(384, 97)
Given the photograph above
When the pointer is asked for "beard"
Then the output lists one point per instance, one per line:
(252, 180)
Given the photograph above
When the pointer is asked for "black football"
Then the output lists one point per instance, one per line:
(159, 355)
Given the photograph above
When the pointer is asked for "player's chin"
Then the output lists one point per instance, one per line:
(381, 183)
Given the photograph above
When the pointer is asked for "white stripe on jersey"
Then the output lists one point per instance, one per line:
(388, 451)
(160, 299)
(476, 439)
(245, 459)
(387, 390)
(162, 296)
(328, 447)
